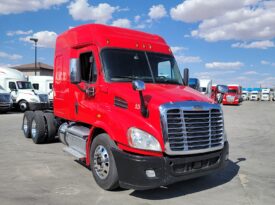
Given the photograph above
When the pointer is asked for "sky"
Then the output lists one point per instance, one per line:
(230, 42)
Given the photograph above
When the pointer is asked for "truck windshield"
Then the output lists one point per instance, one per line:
(24, 85)
(232, 91)
(128, 65)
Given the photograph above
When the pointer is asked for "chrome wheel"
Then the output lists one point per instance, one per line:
(25, 124)
(33, 129)
(101, 162)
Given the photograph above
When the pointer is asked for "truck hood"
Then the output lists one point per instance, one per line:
(30, 91)
(3, 92)
(158, 94)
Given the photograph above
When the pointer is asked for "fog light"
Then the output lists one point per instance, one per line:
(150, 173)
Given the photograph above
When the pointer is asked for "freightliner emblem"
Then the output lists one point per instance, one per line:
(197, 107)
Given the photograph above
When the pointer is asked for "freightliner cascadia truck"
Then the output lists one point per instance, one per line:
(121, 107)
(233, 96)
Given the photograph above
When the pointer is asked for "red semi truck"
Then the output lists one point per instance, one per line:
(122, 108)
(233, 96)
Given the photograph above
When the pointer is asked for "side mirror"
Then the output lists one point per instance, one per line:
(75, 71)
(138, 85)
(222, 89)
(186, 76)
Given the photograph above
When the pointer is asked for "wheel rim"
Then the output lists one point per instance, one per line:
(23, 106)
(101, 162)
(25, 125)
(33, 129)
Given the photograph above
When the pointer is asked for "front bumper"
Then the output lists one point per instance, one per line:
(168, 170)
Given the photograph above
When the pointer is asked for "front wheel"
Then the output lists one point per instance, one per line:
(103, 164)
(23, 105)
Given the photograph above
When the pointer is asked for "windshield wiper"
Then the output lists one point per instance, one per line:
(130, 78)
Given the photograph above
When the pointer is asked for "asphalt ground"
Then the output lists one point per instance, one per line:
(44, 174)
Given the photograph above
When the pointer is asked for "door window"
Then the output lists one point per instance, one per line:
(35, 86)
(12, 86)
(88, 67)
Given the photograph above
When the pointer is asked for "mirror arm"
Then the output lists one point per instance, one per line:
(144, 110)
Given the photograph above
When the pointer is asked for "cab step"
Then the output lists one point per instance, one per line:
(74, 152)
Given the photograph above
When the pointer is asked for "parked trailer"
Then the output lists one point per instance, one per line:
(22, 92)
(206, 87)
(121, 106)
(245, 95)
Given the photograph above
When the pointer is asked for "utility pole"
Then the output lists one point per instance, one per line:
(35, 40)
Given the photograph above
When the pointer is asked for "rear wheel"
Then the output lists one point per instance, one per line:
(103, 163)
(51, 126)
(38, 128)
(26, 126)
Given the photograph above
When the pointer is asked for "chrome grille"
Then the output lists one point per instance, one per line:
(230, 98)
(43, 97)
(189, 130)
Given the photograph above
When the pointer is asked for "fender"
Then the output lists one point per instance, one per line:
(97, 125)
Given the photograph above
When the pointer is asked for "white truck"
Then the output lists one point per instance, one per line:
(206, 87)
(254, 95)
(245, 95)
(22, 92)
(266, 94)
(43, 84)
(5, 100)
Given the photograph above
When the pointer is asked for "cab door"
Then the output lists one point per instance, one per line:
(84, 95)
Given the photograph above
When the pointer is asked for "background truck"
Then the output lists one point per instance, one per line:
(255, 95)
(245, 95)
(5, 100)
(122, 108)
(266, 94)
(233, 96)
(206, 87)
(194, 83)
(43, 84)
(22, 92)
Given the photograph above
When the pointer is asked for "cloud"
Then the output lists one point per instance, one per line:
(267, 82)
(228, 20)
(137, 18)
(122, 23)
(263, 62)
(157, 12)
(196, 10)
(251, 72)
(46, 39)
(212, 75)
(17, 6)
(256, 44)
(224, 65)
(81, 10)
(19, 32)
(10, 56)
(177, 49)
(183, 59)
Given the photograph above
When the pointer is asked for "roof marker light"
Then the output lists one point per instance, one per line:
(150, 46)
(137, 45)
(108, 41)
(143, 45)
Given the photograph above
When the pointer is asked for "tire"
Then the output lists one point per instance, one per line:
(23, 105)
(51, 126)
(108, 178)
(26, 125)
(38, 128)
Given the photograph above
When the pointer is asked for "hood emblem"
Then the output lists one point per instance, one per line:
(197, 107)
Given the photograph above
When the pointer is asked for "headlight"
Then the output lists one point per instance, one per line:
(142, 140)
